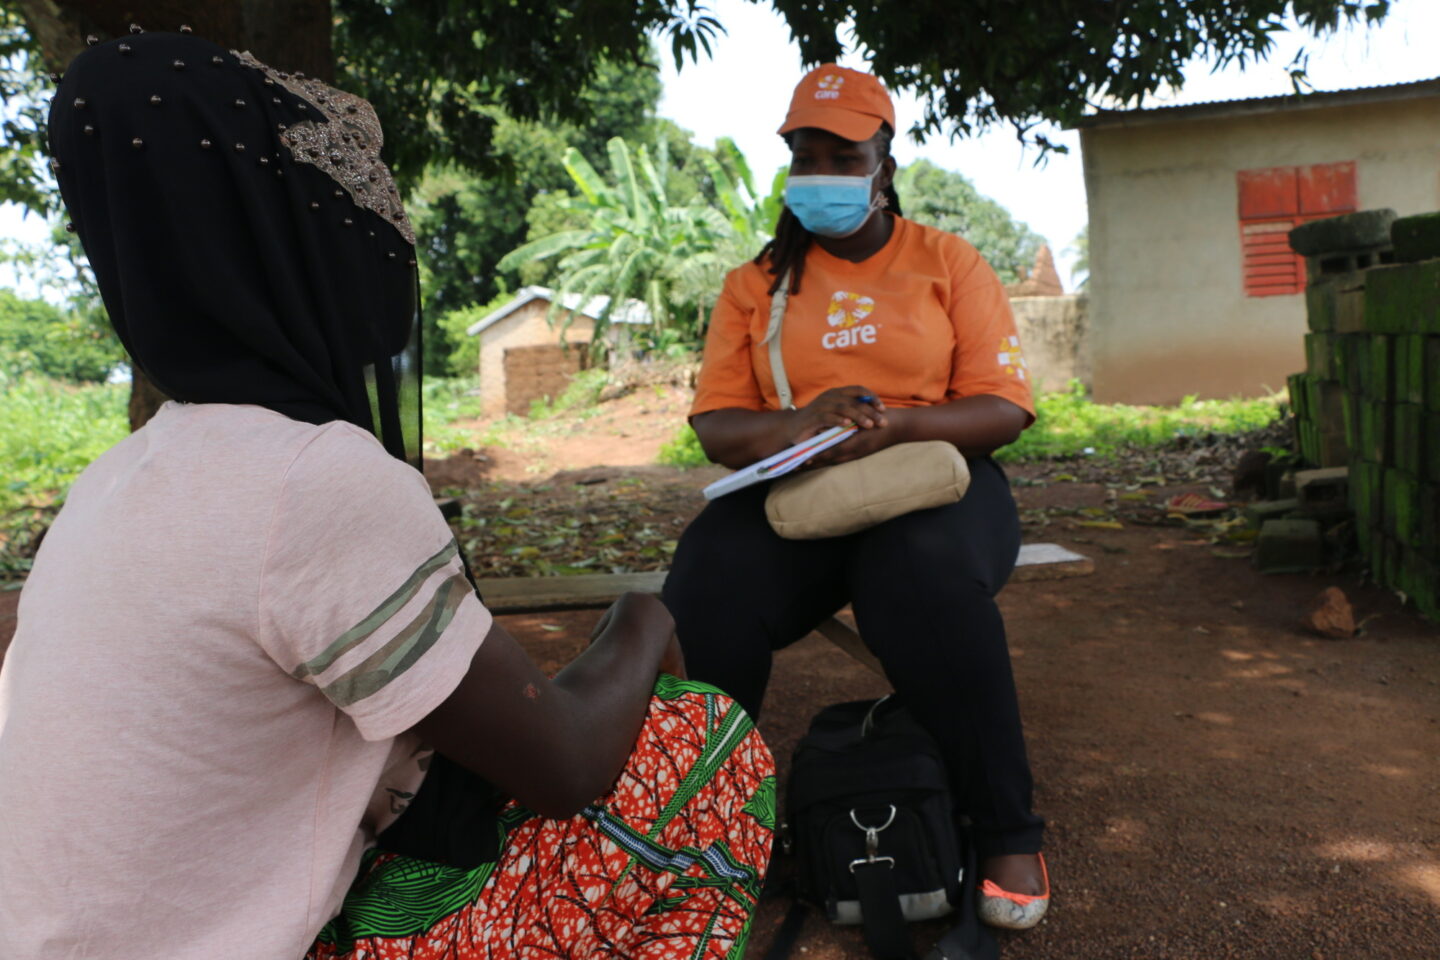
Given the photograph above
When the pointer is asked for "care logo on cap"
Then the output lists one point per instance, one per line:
(829, 87)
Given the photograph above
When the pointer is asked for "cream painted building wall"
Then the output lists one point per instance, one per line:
(1053, 334)
(1168, 311)
(524, 328)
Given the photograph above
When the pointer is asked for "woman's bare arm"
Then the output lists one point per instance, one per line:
(977, 426)
(737, 438)
(556, 745)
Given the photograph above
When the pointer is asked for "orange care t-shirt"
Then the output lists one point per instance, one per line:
(922, 321)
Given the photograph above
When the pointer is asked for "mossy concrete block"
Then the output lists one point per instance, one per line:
(1431, 366)
(1319, 356)
(1403, 298)
(1431, 452)
(1310, 442)
(1350, 416)
(1375, 426)
(1299, 384)
(1320, 306)
(1409, 373)
(1416, 238)
(1359, 346)
(1425, 583)
(1289, 546)
(1403, 506)
(1259, 512)
(1366, 486)
(1409, 437)
(1328, 416)
(1430, 519)
(1364, 230)
(1350, 311)
(1340, 356)
(1376, 380)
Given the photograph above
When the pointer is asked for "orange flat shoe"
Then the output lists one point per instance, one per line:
(1014, 911)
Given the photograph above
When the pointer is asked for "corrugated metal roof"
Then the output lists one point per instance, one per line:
(631, 311)
(1417, 89)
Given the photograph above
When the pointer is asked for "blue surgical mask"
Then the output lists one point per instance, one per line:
(833, 207)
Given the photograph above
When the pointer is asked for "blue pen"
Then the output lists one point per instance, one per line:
(866, 399)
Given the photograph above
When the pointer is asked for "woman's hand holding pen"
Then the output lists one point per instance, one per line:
(839, 407)
(862, 443)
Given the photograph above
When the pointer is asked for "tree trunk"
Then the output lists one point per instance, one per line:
(145, 399)
(287, 34)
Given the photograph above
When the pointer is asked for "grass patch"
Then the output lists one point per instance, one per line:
(1071, 424)
(683, 450)
(446, 401)
(579, 398)
(52, 431)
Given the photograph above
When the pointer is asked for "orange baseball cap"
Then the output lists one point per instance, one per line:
(845, 102)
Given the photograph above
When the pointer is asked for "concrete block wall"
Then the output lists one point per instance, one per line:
(1369, 398)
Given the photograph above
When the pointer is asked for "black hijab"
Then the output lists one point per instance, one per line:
(247, 240)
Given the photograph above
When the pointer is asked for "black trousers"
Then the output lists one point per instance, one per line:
(923, 590)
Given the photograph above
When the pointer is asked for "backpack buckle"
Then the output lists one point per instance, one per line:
(872, 840)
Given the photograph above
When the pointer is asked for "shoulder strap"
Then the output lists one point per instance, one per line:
(772, 338)
(880, 913)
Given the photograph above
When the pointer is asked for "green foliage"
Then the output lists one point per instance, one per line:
(463, 350)
(1081, 249)
(1071, 424)
(467, 220)
(984, 62)
(578, 398)
(683, 450)
(948, 201)
(629, 238)
(24, 177)
(38, 337)
(52, 432)
(447, 401)
(437, 70)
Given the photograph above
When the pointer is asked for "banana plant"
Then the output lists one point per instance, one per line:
(639, 244)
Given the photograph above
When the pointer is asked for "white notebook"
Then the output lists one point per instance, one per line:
(780, 464)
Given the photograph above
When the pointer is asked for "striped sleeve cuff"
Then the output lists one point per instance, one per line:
(408, 653)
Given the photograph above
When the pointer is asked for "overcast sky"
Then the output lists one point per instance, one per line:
(742, 92)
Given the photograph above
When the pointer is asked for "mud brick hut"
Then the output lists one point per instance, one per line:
(524, 358)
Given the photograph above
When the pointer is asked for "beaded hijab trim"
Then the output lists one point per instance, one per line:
(346, 149)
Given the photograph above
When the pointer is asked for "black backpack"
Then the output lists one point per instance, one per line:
(871, 818)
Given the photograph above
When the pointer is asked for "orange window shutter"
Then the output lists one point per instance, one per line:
(1327, 189)
(1270, 267)
(1270, 192)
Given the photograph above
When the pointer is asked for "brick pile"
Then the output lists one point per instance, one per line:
(1369, 398)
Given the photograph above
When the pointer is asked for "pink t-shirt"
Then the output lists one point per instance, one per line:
(227, 632)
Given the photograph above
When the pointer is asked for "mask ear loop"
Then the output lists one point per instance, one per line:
(877, 202)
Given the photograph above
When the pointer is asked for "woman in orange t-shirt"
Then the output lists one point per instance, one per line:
(906, 331)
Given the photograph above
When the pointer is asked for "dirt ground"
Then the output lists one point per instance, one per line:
(1218, 781)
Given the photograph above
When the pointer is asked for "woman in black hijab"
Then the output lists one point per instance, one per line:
(248, 241)
(249, 633)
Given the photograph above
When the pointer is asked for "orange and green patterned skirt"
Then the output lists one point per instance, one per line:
(667, 866)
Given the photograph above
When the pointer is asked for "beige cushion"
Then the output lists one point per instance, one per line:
(845, 498)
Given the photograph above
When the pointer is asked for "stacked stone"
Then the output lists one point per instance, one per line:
(1370, 395)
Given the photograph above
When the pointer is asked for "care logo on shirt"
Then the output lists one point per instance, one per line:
(1010, 357)
(847, 315)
